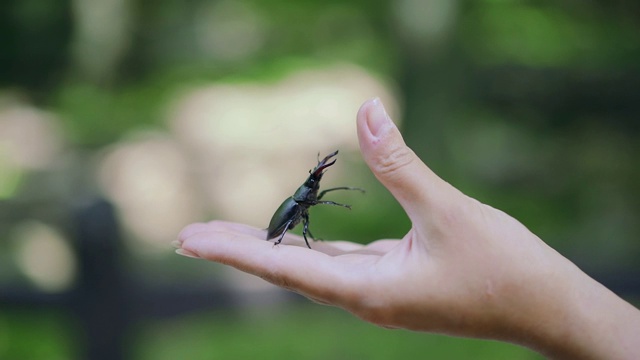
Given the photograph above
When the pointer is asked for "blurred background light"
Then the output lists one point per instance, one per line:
(229, 30)
(102, 36)
(29, 138)
(147, 178)
(44, 256)
(426, 22)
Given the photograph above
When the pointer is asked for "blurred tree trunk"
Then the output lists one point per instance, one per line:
(430, 75)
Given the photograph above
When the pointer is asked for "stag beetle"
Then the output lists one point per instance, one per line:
(296, 207)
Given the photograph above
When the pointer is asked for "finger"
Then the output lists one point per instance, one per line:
(332, 248)
(412, 183)
(231, 226)
(310, 273)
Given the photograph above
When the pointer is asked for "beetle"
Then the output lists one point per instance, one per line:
(296, 208)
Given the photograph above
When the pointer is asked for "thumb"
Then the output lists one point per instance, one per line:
(396, 166)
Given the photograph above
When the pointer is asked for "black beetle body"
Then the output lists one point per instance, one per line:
(296, 208)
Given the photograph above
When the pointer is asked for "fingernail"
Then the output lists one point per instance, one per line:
(187, 253)
(378, 119)
(176, 244)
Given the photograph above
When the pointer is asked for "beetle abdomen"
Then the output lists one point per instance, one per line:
(286, 217)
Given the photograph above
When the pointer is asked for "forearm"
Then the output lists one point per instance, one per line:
(581, 319)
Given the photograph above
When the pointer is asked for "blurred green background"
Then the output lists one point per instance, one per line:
(181, 111)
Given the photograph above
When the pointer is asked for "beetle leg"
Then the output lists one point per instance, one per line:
(334, 203)
(339, 188)
(305, 228)
(308, 231)
(286, 227)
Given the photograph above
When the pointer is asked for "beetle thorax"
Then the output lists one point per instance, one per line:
(306, 194)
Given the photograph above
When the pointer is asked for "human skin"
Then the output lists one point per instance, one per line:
(464, 268)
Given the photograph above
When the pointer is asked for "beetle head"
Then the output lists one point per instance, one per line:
(316, 173)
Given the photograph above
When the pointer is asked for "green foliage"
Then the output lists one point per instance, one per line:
(304, 332)
(547, 36)
(95, 116)
(35, 335)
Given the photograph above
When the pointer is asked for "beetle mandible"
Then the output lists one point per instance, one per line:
(296, 208)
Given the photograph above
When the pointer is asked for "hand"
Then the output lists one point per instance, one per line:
(464, 268)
